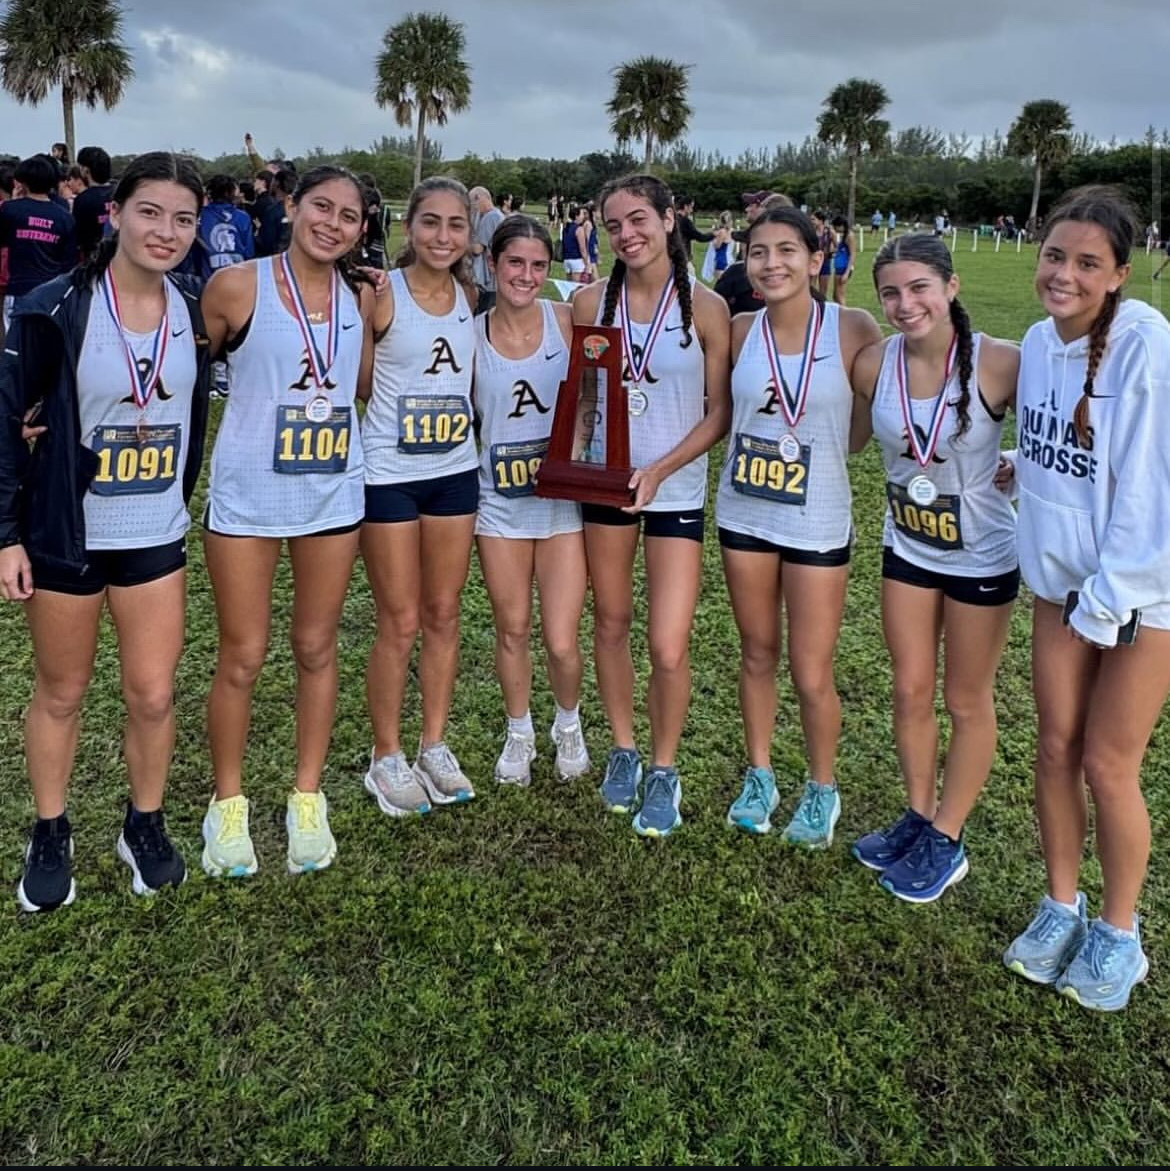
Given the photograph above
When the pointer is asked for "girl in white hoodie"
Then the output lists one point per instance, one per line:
(1094, 490)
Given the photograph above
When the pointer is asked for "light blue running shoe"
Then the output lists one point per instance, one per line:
(752, 809)
(816, 815)
(659, 813)
(1106, 969)
(623, 778)
(1049, 943)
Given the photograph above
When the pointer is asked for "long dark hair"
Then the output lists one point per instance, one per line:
(346, 265)
(799, 222)
(154, 165)
(658, 195)
(461, 269)
(1113, 214)
(930, 251)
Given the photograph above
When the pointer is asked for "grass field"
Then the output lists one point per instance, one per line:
(524, 981)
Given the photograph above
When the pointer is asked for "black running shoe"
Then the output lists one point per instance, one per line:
(48, 867)
(144, 846)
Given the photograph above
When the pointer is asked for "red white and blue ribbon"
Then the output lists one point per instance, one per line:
(665, 301)
(142, 382)
(794, 406)
(319, 364)
(924, 454)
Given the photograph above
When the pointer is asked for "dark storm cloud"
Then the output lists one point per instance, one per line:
(298, 74)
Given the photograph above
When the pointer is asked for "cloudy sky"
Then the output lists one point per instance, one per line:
(299, 74)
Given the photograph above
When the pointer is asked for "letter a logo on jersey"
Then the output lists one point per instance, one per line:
(145, 366)
(525, 397)
(442, 355)
(772, 405)
(302, 383)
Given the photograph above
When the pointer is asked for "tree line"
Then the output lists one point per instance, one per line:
(854, 162)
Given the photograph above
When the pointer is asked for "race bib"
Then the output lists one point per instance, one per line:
(133, 461)
(300, 445)
(758, 469)
(514, 466)
(937, 525)
(432, 424)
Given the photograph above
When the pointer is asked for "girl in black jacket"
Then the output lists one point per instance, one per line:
(112, 359)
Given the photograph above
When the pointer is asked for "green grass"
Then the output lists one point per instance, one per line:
(524, 981)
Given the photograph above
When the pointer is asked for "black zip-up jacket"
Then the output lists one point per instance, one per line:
(42, 490)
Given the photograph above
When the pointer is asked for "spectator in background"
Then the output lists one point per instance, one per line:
(891, 222)
(91, 208)
(60, 154)
(842, 258)
(6, 185)
(38, 234)
(685, 207)
(485, 218)
(575, 246)
(262, 200)
(875, 220)
(273, 234)
(593, 245)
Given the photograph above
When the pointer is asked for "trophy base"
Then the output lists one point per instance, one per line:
(585, 483)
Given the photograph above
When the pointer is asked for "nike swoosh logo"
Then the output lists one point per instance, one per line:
(682, 520)
(178, 332)
(464, 318)
(820, 357)
(987, 589)
(554, 354)
(671, 328)
(350, 325)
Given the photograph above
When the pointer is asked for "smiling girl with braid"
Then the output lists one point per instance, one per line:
(676, 339)
(949, 573)
(1094, 485)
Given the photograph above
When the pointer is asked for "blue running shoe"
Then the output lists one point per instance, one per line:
(932, 864)
(884, 847)
(623, 778)
(816, 815)
(659, 814)
(1050, 941)
(1106, 969)
(752, 809)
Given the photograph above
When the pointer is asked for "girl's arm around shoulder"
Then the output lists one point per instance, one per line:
(383, 312)
(999, 370)
(863, 376)
(228, 301)
(563, 312)
(367, 299)
(859, 333)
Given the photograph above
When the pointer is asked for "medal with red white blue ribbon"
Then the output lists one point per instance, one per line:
(143, 381)
(637, 400)
(792, 405)
(921, 489)
(320, 406)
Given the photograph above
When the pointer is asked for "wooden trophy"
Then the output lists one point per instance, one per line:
(589, 450)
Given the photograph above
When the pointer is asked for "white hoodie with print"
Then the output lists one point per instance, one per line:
(1097, 520)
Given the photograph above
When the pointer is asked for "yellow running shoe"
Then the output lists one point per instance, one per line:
(227, 845)
(310, 842)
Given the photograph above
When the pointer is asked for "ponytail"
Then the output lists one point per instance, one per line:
(1098, 337)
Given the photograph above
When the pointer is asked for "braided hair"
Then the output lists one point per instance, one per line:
(659, 196)
(461, 268)
(155, 165)
(1109, 210)
(930, 251)
(347, 265)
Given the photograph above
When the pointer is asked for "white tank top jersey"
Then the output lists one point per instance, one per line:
(674, 383)
(418, 420)
(135, 500)
(969, 530)
(275, 471)
(515, 400)
(791, 494)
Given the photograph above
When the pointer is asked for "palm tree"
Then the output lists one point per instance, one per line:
(850, 120)
(649, 102)
(75, 44)
(421, 70)
(1041, 134)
